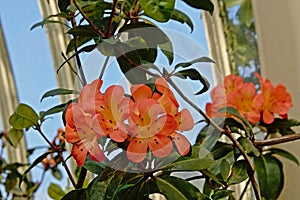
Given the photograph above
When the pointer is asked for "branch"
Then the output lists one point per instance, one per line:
(279, 140)
(111, 17)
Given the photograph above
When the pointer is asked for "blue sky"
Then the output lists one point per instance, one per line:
(32, 65)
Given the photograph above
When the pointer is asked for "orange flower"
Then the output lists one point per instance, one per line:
(112, 111)
(80, 132)
(150, 128)
(246, 101)
(218, 97)
(276, 100)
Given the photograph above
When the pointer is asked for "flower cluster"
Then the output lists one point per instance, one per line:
(253, 105)
(146, 121)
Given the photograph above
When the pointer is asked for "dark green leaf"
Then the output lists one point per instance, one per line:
(191, 164)
(79, 42)
(283, 153)
(93, 166)
(238, 172)
(23, 117)
(235, 113)
(55, 109)
(80, 194)
(177, 188)
(55, 191)
(58, 91)
(225, 169)
(14, 136)
(270, 176)
(283, 126)
(194, 75)
(96, 189)
(84, 31)
(153, 36)
(129, 62)
(10, 182)
(221, 149)
(182, 18)
(113, 186)
(198, 60)
(160, 10)
(201, 4)
(220, 194)
(63, 5)
(248, 146)
(48, 20)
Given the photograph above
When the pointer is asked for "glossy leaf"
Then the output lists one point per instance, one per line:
(93, 166)
(76, 194)
(220, 194)
(225, 169)
(182, 18)
(191, 164)
(270, 176)
(83, 30)
(55, 109)
(248, 146)
(55, 191)
(48, 20)
(79, 42)
(113, 186)
(160, 10)
(129, 62)
(23, 117)
(284, 153)
(221, 149)
(201, 4)
(153, 36)
(63, 5)
(198, 60)
(14, 136)
(177, 188)
(58, 91)
(194, 75)
(238, 172)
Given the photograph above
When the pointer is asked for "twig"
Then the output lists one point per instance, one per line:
(81, 178)
(279, 140)
(111, 17)
(104, 67)
(245, 189)
(38, 128)
(64, 164)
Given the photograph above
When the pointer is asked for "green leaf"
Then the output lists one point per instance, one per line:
(93, 166)
(235, 113)
(283, 153)
(220, 194)
(201, 4)
(221, 149)
(113, 186)
(79, 42)
(177, 188)
(225, 169)
(56, 173)
(153, 36)
(190, 164)
(160, 10)
(238, 172)
(248, 146)
(270, 176)
(55, 191)
(80, 194)
(182, 18)
(58, 91)
(201, 60)
(23, 117)
(55, 109)
(48, 20)
(84, 30)
(245, 13)
(194, 75)
(10, 182)
(14, 136)
(231, 3)
(63, 5)
(129, 62)
(96, 189)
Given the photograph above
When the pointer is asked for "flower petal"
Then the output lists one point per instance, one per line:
(95, 152)
(184, 120)
(160, 145)
(268, 117)
(79, 153)
(182, 144)
(136, 151)
(71, 134)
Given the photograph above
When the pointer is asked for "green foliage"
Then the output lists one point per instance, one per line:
(201, 4)
(55, 191)
(14, 136)
(160, 10)
(58, 91)
(270, 175)
(23, 117)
